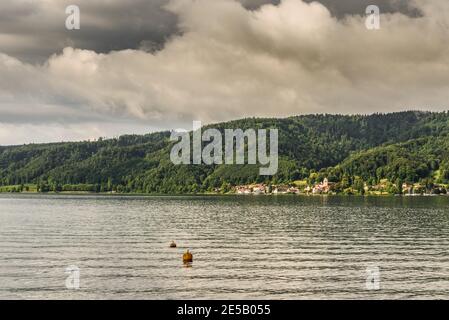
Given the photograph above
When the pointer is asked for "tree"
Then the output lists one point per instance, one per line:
(399, 184)
(359, 185)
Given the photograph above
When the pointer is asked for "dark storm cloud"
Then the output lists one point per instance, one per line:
(34, 30)
(340, 8)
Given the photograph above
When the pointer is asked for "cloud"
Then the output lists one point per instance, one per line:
(34, 30)
(229, 61)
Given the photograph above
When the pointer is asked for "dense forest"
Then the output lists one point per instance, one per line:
(351, 151)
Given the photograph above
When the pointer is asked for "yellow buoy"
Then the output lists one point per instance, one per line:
(187, 257)
(173, 244)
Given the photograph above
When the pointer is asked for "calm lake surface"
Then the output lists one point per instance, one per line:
(250, 247)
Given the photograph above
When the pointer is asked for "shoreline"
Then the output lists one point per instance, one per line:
(85, 193)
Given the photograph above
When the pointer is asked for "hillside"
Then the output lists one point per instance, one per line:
(407, 146)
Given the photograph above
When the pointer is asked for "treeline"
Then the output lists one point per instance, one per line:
(349, 150)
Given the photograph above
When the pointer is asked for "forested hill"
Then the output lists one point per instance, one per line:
(407, 146)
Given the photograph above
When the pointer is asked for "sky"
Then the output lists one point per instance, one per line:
(139, 66)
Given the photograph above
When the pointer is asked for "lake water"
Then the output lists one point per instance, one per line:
(250, 247)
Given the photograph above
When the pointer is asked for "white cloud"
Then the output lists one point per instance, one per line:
(231, 62)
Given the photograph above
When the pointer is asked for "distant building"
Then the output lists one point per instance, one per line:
(407, 188)
(251, 189)
(323, 187)
(280, 189)
(259, 189)
(293, 190)
(242, 190)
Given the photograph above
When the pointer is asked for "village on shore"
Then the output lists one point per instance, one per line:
(300, 187)
(330, 188)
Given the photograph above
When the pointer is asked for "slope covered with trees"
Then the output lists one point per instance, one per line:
(400, 147)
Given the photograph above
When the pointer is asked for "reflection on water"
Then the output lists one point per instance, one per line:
(244, 247)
